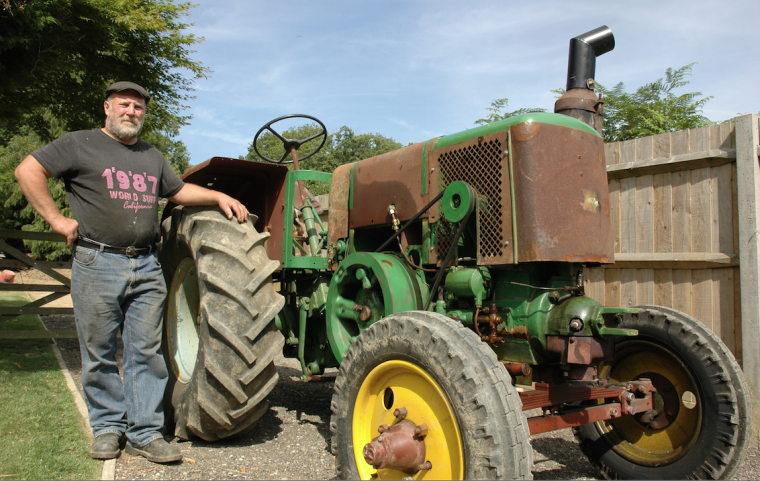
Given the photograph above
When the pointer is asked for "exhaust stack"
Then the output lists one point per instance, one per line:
(579, 100)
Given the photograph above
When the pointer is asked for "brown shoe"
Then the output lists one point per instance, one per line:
(156, 451)
(105, 446)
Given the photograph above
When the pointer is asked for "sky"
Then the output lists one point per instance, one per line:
(413, 70)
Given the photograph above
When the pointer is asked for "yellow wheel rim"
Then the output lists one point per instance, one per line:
(396, 384)
(637, 442)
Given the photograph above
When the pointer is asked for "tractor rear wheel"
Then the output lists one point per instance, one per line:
(220, 338)
(702, 410)
(441, 375)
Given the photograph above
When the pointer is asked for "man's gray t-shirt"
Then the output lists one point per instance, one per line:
(113, 188)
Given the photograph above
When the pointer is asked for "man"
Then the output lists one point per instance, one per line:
(113, 182)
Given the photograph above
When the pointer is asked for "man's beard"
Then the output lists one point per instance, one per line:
(123, 130)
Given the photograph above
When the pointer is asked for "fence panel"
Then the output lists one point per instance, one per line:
(20, 260)
(673, 205)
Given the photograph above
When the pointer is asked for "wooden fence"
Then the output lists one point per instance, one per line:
(19, 259)
(684, 209)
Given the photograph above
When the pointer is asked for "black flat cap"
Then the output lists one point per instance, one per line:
(123, 85)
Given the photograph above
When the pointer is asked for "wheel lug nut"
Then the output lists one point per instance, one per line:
(425, 465)
(383, 428)
(400, 413)
(421, 430)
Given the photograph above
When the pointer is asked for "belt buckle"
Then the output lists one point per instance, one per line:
(131, 251)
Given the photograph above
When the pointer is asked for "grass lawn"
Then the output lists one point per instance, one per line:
(41, 431)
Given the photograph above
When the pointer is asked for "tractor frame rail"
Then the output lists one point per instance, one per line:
(630, 398)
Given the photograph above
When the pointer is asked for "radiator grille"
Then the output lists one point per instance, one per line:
(479, 165)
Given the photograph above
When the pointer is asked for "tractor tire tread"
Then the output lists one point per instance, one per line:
(728, 385)
(494, 429)
(238, 340)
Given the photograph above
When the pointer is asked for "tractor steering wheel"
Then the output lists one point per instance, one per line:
(290, 143)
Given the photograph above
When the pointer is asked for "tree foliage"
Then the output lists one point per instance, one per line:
(15, 213)
(653, 108)
(58, 57)
(496, 112)
(173, 149)
(341, 147)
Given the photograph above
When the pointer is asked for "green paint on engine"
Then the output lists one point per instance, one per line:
(538, 117)
(366, 287)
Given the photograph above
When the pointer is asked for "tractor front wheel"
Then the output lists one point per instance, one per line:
(426, 373)
(702, 414)
(220, 337)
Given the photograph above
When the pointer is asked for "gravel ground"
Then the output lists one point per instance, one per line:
(292, 440)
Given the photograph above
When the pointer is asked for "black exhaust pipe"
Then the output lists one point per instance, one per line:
(581, 62)
(579, 100)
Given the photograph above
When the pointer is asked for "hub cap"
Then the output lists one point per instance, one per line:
(677, 403)
(396, 384)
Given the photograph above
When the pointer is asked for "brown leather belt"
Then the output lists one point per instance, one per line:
(130, 251)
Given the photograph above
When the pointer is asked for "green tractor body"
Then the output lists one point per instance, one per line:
(453, 259)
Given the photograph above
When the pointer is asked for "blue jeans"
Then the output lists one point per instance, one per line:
(113, 292)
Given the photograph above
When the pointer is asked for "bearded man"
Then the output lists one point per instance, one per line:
(113, 182)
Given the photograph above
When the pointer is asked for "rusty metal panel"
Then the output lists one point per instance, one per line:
(581, 349)
(561, 195)
(553, 395)
(391, 178)
(483, 164)
(574, 418)
(259, 186)
(337, 224)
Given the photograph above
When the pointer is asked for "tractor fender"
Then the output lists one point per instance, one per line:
(340, 189)
(259, 186)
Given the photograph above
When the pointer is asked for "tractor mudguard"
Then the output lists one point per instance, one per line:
(340, 190)
(260, 187)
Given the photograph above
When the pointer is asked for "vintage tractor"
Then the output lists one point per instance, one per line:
(447, 286)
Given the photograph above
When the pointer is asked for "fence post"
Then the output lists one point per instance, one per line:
(748, 191)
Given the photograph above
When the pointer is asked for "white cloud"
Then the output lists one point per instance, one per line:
(402, 123)
(234, 138)
(414, 70)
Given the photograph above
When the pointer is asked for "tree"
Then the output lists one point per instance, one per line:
(341, 147)
(174, 150)
(496, 112)
(653, 108)
(346, 146)
(15, 213)
(56, 59)
(58, 56)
